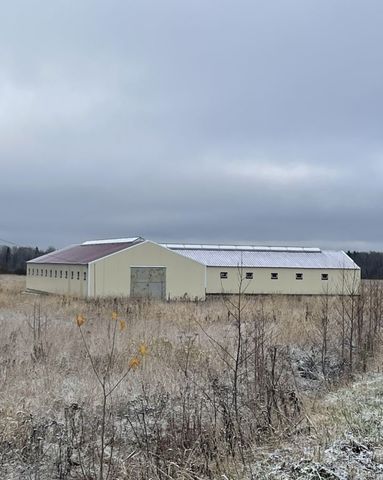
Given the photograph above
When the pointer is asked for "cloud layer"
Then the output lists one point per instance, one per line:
(248, 121)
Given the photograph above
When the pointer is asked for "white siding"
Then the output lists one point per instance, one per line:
(63, 285)
(339, 281)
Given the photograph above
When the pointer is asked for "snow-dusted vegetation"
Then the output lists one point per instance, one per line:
(242, 387)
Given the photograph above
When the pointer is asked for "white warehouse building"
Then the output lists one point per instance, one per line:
(141, 268)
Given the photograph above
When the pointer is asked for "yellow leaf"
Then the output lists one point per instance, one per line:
(114, 315)
(122, 325)
(80, 320)
(143, 349)
(134, 362)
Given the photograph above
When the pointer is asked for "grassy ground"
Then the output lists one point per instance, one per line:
(344, 440)
(189, 403)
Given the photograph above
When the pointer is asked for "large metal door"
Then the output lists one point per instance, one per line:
(148, 282)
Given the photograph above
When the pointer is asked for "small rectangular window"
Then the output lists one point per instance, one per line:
(249, 275)
(84, 275)
(66, 273)
(274, 276)
(55, 273)
(42, 272)
(46, 272)
(33, 271)
(223, 274)
(37, 272)
(71, 275)
(50, 273)
(299, 276)
(324, 276)
(61, 274)
(78, 275)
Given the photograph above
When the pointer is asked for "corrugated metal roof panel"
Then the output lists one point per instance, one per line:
(84, 253)
(243, 248)
(272, 258)
(112, 240)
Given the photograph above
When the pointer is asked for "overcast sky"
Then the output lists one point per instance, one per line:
(192, 120)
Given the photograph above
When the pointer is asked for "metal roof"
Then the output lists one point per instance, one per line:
(209, 255)
(258, 248)
(87, 252)
(111, 240)
(272, 257)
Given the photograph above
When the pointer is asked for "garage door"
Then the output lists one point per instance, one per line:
(148, 282)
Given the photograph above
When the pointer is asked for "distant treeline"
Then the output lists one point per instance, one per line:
(14, 259)
(371, 264)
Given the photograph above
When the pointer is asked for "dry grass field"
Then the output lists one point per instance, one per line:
(236, 388)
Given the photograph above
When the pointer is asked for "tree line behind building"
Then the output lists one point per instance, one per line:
(371, 264)
(13, 260)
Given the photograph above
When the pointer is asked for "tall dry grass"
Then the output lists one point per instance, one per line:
(177, 415)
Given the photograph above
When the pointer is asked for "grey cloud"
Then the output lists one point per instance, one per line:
(217, 121)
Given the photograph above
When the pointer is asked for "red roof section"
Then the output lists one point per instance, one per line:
(83, 254)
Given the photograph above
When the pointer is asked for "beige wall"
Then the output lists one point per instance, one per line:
(66, 286)
(110, 276)
(338, 281)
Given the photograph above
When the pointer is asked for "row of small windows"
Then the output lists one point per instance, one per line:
(56, 273)
(273, 276)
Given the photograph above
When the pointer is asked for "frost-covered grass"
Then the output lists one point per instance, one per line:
(358, 410)
(173, 412)
(345, 440)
